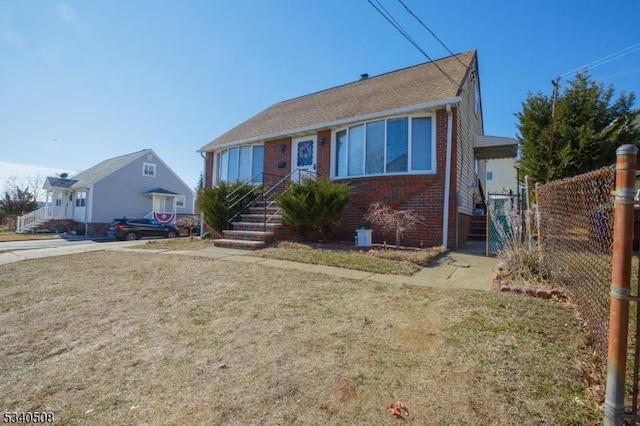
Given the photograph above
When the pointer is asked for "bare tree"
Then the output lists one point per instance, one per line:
(395, 221)
(35, 185)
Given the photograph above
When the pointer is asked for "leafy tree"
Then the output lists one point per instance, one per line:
(214, 202)
(312, 206)
(17, 202)
(589, 126)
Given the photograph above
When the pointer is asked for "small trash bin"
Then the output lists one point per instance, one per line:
(363, 237)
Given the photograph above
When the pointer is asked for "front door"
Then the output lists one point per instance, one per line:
(303, 158)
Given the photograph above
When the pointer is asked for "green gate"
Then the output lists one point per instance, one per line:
(500, 208)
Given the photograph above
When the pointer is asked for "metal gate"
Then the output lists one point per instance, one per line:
(501, 209)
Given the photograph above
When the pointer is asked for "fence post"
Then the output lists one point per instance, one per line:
(529, 219)
(620, 284)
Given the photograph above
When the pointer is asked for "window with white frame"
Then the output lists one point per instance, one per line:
(180, 202)
(390, 146)
(242, 164)
(149, 169)
(81, 199)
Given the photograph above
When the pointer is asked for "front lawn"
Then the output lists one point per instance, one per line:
(374, 259)
(144, 338)
(7, 236)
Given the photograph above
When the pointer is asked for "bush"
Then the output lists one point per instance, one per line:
(312, 206)
(395, 221)
(213, 202)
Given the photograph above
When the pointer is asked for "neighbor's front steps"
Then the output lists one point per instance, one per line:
(251, 232)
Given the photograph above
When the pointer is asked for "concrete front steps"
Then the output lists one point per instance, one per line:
(478, 228)
(251, 232)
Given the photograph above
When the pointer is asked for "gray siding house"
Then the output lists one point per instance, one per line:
(139, 184)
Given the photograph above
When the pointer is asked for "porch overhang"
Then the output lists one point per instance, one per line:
(53, 183)
(494, 147)
(161, 192)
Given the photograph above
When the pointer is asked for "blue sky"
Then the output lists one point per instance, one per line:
(82, 81)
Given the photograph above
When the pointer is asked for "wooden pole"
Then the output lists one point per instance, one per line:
(555, 83)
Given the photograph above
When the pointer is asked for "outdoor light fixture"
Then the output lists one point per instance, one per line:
(283, 149)
(322, 140)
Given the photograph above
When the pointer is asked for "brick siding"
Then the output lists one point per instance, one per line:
(422, 193)
(274, 156)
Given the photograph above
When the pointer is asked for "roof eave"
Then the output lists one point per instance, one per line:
(336, 123)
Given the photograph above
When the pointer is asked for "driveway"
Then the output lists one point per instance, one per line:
(17, 251)
(54, 242)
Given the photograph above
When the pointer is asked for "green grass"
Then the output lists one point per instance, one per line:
(341, 259)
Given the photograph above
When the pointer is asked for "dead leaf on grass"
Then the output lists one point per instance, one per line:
(398, 409)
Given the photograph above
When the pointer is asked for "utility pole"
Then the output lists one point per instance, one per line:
(555, 83)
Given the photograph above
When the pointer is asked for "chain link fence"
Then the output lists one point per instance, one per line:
(575, 227)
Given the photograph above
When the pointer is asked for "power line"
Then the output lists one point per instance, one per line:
(606, 59)
(401, 30)
(432, 33)
(620, 74)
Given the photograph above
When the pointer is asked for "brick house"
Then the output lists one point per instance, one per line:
(406, 138)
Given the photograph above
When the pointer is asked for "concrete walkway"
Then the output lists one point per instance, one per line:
(467, 268)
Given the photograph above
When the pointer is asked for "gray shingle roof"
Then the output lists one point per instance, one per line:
(60, 182)
(105, 168)
(402, 88)
(161, 191)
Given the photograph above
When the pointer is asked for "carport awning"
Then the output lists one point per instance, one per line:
(494, 147)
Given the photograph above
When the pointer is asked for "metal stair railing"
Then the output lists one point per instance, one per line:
(244, 199)
(267, 195)
(482, 197)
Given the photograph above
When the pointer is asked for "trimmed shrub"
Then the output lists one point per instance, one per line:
(213, 202)
(312, 206)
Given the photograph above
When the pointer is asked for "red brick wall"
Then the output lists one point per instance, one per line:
(273, 155)
(324, 153)
(208, 170)
(423, 193)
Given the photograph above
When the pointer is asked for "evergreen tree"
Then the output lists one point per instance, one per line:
(17, 202)
(589, 126)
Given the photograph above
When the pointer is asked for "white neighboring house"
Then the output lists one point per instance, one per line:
(139, 184)
(501, 176)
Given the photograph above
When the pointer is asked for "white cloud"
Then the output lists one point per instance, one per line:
(66, 12)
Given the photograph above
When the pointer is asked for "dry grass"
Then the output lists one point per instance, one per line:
(137, 338)
(6, 236)
(184, 243)
(381, 260)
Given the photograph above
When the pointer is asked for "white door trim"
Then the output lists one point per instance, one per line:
(307, 161)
